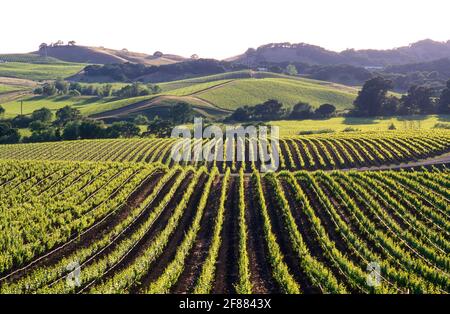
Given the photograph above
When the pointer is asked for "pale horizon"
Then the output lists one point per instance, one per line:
(221, 29)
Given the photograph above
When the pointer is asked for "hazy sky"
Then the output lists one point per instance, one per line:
(220, 28)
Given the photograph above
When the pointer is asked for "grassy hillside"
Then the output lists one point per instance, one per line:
(32, 103)
(39, 71)
(8, 88)
(289, 91)
(219, 94)
(28, 58)
(101, 55)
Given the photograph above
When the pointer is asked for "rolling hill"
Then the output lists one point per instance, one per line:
(219, 95)
(38, 72)
(214, 96)
(421, 51)
(100, 55)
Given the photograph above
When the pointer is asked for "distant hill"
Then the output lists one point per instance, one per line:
(126, 72)
(100, 55)
(422, 51)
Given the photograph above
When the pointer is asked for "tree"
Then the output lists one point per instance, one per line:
(160, 128)
(8, 135)
(444, 100)
(158, 54)
(141, 120)
(271, 109)
(390, 106)
(38, 90)
(75, 86)
(325, 111)
(291, 69)
(2, 111)
(155, 89)
(71, 43)
(123, 129)
(44, 115)
(71, 131)
(61, 86)
(242, 114)
(105, 90)
(372, 97)
(133, 90)
(66, 114)
(21, 121)
(90, 129)
(194, 57)
(49, 134)
(38, 125)
(417, 101)
(43, 46)
(181, 112)
(48, 89)
(302, 110)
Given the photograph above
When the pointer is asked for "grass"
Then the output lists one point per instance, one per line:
(288, 91)
(196, 88)
(30, 104)
(28, 58)
(293, 127)
(106, 105)
(39, 72)
(9, 88)
(169, 86)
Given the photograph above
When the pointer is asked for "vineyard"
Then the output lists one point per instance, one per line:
(148, 228)
(313, 152)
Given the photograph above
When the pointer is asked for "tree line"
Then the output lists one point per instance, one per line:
(69, 124)
(374, 100)
(272, 109)
(61, 87)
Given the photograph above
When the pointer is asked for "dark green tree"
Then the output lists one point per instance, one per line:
(43, 114)
(372, 97)
(90, 129)
(302, 110)
(71, 131)
(325, 111)
(444, 100)
(141, 120)
(123, 129)
(182, 112)
(160, 128)
(418, 101)
(66, 114)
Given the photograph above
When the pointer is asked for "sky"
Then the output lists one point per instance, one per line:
(220, 28)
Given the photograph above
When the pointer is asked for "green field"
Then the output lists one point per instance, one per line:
(293, 127)
(83, 103)
(8, 88)
(39, 71)
(289, 91)
(28, 58)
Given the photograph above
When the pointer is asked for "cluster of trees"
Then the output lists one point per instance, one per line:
(433, 74)
(68, 125)
(373, 100)
(61, 87)
(274, 110)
